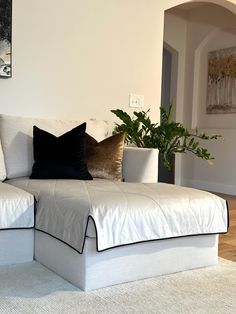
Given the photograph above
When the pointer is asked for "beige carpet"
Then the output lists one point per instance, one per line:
(31, 288)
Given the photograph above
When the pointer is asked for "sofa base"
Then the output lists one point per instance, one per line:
(16, 246)
(92, 270)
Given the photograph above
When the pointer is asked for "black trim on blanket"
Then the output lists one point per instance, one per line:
(61, 240)
(121, 245)
(227, 215)
(83, 240)
(35, 210)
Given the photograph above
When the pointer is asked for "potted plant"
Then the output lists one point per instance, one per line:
(169, 137)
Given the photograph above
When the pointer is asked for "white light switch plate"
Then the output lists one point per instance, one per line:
(136, 101)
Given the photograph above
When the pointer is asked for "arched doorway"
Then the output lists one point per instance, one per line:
(168, 93)
(194, 29)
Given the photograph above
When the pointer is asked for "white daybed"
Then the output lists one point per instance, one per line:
(101, 227)
(93, 269)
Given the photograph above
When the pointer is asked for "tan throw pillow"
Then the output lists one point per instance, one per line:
(104, 158)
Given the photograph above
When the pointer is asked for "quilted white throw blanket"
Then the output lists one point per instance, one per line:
(123, 213)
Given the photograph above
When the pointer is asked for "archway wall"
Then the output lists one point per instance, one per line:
(85, 58)
(228, 4)
(177, 41)
(79, 59)
(208, 28)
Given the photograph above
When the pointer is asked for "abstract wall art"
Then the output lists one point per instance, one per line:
(221, 89)
(5, 38)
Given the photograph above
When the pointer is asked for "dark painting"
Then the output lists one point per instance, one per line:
(5, 38)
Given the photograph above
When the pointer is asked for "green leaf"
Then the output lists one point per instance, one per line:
(169, 137)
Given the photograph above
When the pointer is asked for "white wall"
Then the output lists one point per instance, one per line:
(221, 176)
(175, 32)
(82, 58)
(217, 39)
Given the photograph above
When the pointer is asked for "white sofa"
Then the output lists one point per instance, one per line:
(93, 269)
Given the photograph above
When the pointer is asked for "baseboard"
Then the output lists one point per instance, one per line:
(210, 186)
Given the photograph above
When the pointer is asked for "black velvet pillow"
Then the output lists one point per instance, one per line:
(60, 157)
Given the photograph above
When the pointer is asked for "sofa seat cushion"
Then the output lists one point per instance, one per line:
(17, 138)
(16, 208)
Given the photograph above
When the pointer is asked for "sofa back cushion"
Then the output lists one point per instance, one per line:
(2, 165)
(17, 139)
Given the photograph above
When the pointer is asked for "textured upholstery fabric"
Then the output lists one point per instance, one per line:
(16, 246)
(104, 159)
(93, 270)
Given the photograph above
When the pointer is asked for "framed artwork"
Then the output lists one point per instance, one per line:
(221, 89)
(5, 38)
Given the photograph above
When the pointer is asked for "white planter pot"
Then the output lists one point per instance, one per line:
(140, 164)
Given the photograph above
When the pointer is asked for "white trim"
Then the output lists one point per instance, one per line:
(210, 186)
